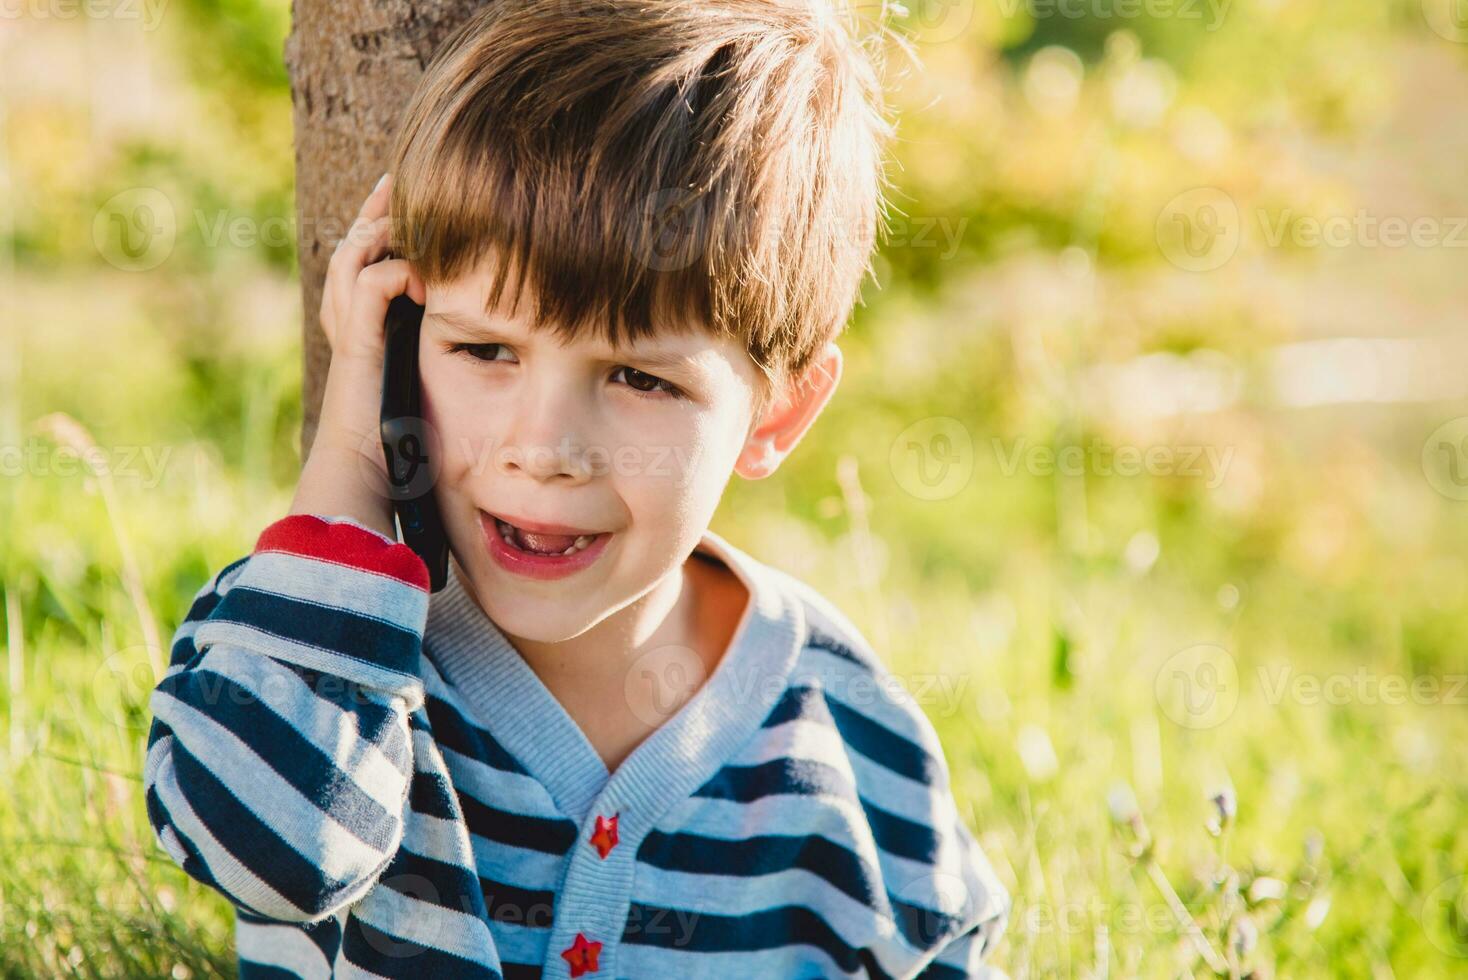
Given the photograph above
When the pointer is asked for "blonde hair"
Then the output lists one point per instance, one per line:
(651, 165)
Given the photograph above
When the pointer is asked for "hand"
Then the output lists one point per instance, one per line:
(363, 244)
(361, 280)
(346, 473)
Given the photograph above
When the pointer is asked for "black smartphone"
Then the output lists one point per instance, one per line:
(411, 468)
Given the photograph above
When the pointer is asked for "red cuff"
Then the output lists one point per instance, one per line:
(338, 540)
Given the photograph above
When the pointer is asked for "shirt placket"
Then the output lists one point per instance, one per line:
(595, 896)
(615, 812)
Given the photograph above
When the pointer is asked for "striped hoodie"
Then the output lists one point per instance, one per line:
(382, 787)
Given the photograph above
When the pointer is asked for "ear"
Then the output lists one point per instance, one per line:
(775, 434)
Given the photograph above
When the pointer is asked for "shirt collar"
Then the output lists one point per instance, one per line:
(512, 703)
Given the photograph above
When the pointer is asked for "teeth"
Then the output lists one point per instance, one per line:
(582, 540)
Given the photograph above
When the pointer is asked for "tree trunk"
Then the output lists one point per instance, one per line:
(353, 65)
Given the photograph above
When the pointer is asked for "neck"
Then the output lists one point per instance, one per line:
(600, 661)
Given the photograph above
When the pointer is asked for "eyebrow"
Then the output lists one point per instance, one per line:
(653, 358)
(472, 324)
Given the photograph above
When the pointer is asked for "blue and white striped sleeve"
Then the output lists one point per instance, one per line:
(279, 758)
(986, 909)
(968, 891)
(963, 958)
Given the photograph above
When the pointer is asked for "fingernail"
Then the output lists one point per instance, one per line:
(380, 181)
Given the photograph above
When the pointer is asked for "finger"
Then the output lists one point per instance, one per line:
(362, 235)
(376, 202)
(373, 212)
(374, 206)
(376, 287)
(365, 245)
(366, 242)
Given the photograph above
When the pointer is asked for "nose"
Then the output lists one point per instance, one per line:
(543, 444)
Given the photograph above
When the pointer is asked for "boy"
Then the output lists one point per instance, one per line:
(614, 744)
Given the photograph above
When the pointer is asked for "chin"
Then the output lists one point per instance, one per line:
(547, 620)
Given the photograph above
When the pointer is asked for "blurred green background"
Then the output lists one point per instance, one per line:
(1148, 475)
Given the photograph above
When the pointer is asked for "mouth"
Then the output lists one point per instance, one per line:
(541, 550)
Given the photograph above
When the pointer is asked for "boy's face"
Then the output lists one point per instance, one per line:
(584, 437)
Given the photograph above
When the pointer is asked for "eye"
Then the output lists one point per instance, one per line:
(476, 352)
(636, 380)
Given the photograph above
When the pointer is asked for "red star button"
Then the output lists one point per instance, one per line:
(605, 836)
(581, 955)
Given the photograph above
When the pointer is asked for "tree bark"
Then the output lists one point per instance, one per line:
(353, 65)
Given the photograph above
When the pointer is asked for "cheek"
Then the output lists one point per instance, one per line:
(451, 415)
(676, 469)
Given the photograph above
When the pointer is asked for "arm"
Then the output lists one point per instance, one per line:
(963, 956)
(987, 905)
(280, 754)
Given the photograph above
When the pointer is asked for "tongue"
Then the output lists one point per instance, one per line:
(544, 544)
